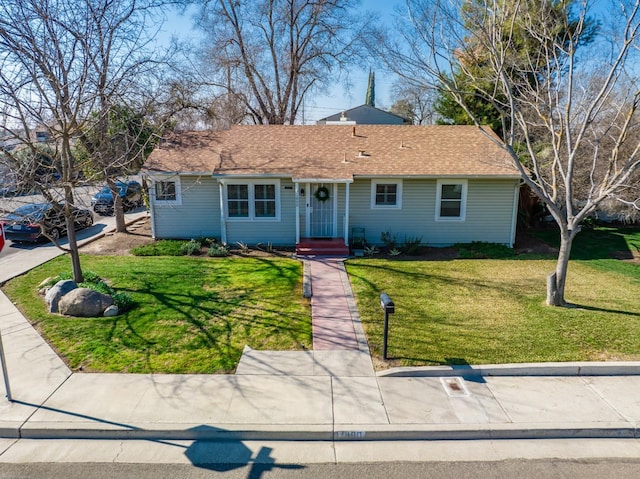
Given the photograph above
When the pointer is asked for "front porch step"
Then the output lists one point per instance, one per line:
(322, 247)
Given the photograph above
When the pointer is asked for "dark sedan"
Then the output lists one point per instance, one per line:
(27, 223)
(130, 192)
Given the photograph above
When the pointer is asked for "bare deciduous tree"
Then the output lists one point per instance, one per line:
(271, 53)
(415, 101)
(63, 65)
(554, 96)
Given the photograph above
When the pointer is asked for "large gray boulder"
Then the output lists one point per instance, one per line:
(57, 291)
(84, 302)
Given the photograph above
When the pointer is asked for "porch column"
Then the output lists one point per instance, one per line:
(297, 193)
(346, 213)
(223, 225)
(334, 189)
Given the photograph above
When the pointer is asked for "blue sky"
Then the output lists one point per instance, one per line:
(338, 98)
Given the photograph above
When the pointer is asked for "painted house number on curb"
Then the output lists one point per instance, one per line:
(351, 434)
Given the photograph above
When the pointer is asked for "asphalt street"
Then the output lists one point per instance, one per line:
(507, 469)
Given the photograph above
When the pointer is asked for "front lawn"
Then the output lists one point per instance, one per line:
(493, 311)
(192, 315)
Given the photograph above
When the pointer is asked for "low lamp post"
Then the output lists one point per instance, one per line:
(389, 308)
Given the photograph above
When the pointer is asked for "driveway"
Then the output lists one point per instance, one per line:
(17, 258)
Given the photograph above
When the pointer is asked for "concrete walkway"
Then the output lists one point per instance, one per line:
(325, 395)
(336, 324)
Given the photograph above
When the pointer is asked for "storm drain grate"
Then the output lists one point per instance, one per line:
(454, 387)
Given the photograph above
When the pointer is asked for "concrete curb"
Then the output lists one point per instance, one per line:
(342, 433)
(307, 291)
(626, 368)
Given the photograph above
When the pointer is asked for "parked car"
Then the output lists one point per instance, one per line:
(129, 191)
(26, 224)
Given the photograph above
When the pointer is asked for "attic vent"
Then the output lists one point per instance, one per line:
(363, 154)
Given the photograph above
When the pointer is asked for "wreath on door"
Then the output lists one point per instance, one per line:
(322, 193)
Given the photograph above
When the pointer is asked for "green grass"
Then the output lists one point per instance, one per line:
(193, 315)
(493, 311)
(479, 250)
(160, 248)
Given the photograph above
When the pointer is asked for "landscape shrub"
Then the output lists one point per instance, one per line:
(191, 248)
(124, 301)
(99, 286)
(411, 245)
(218, 250)
(389, 240)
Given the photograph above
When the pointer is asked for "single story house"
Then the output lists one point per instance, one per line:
(282, 184)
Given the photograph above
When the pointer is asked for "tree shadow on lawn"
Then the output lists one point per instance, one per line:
(496, 285)
(598, 243)
(425, 310)
(215, 320)
(601, 310)
(419, 277)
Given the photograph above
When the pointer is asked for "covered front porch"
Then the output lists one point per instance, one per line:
(322, 216)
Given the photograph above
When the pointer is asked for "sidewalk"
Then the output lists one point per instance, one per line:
(326, 395)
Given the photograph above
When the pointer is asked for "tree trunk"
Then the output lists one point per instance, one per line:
(78, 277)
(557, 279)
(118, 211)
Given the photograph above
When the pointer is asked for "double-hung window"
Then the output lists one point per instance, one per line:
(167, 192)
(238, 201)
(386, 194)
(451, 200)
(264, 200)
(253, 200)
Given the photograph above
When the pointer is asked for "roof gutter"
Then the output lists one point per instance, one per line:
(225, 177)
(153, 173)
(434, 177)
(322, 180)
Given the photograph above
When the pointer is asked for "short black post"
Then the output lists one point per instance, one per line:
(389, 308)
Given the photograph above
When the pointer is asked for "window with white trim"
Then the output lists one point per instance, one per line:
(167, 192)
(386, 194)
(451, 199)
(251, 200)
(238, 201)
(264, 200)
